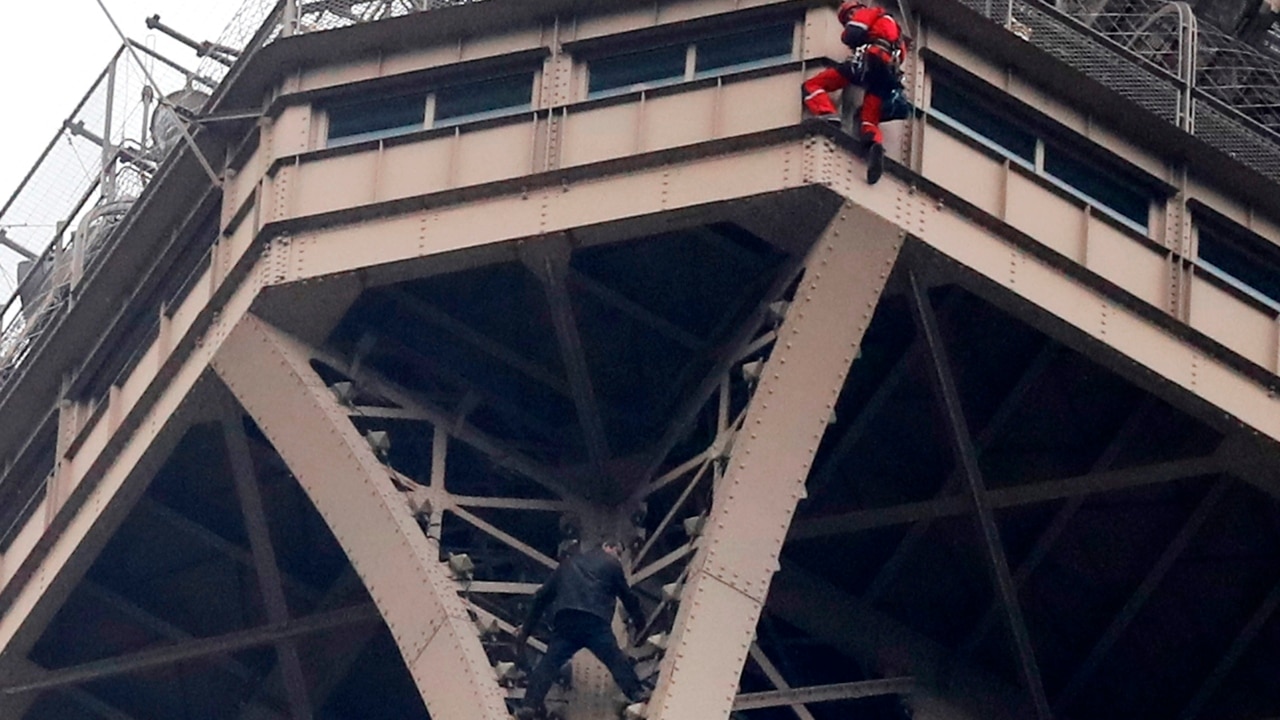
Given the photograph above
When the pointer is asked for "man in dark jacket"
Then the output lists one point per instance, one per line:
(582, 595)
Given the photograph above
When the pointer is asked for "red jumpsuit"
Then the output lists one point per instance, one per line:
(874, 35)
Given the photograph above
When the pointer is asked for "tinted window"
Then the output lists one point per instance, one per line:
(505, 93)
(1103, 185)
(372, 118)
(745, 48)
(651, 67)
(979, 118)
(1253, 262)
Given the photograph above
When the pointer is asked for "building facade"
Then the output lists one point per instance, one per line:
(423, 303)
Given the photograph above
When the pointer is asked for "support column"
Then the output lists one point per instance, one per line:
(270, 375)
(730, 575)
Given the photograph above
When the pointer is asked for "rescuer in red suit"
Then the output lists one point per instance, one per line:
(878, 48)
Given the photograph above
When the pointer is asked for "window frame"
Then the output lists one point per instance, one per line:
(1232, 234)
(689, 40)
(1047, 134)
(429, 94)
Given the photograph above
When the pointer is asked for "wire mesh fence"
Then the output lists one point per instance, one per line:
(63, 213)
(1158, 55)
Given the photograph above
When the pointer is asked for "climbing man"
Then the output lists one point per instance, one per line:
(582, 593)
(878, 48)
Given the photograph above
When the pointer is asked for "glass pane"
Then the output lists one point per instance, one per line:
(382, 116)
(984, 121)
(755, 46)
(1105, 186)
(504, 93)
(1248, 262)
(630, 72)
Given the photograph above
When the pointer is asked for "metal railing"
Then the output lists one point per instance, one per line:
(1158, 55)
(63, 214)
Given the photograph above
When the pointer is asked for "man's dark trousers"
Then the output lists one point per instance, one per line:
(575, 630)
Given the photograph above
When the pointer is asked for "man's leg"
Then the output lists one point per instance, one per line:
(601, 642)
(559, 651)
(816, 98)
(881, 80)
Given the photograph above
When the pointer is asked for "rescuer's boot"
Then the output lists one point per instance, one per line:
(875, 162)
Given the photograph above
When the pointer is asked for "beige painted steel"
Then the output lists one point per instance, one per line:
(610, 196)
(789, 413)
(270, 375)
(103, 471)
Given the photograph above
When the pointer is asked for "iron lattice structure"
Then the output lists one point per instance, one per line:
(1159, 55)
(946, 442)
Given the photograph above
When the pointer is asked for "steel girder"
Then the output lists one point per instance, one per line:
(112, 455)
(729, 577)
(270, 375)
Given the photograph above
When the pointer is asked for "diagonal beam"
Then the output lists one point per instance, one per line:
(1044, 543)
(339, 649)
(431, 314)
(635, 311)
(721, 359)
(851, 626)
(513, 412)
(1012, 400)
(270, 583)
(237, 553)
(963, 446)
(1141, 594)
(1030, 494)
(729, 577)
(1239, 646)
(271, 376)
(771, 671)
(867, 413)
(192, 650)
(495, 449)
(154, 624)
(550, 264)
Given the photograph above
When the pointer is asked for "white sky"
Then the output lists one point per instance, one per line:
(51, 52)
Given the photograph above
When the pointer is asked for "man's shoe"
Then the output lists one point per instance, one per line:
(527, 713)
(833, 119)
(875, 163)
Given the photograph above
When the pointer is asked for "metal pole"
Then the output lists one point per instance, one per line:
(289, 20)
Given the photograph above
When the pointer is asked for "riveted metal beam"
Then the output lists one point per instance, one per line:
(967, 455)
(1045, 541)
(848, 624)
(823, 693)
(270, 375)
(431, 314)
(549, 262)
(771, 671)
(1011, 402)
(844, 275)
(191, 650)
(494, 448)
(1081, 485)
(270, 583)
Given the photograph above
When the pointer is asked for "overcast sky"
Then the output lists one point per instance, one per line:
(51, 52)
